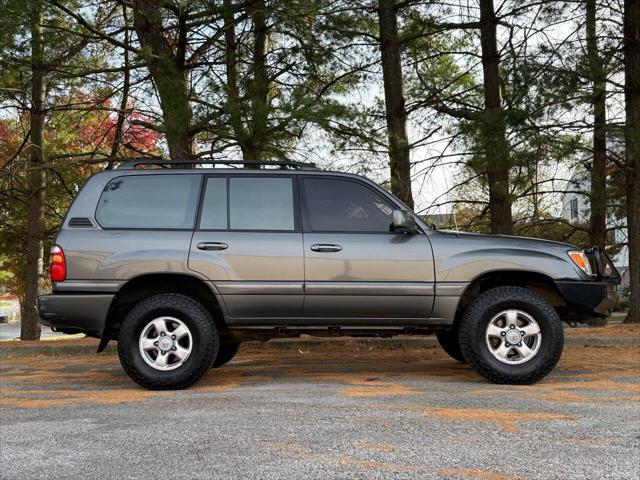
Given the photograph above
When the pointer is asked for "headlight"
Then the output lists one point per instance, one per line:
(581, 260)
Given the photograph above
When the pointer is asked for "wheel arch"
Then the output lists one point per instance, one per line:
(144, 286)
(537, 282)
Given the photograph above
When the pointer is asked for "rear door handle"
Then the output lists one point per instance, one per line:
(325, 247)
(212, 246)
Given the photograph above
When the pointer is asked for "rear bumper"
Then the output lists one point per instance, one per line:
(586, 300)
(84, 313)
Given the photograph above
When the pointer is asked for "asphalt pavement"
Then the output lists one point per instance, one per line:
(323, 412)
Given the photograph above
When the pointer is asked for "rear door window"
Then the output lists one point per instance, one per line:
(248, 203)
(149, 201)
(261, 203)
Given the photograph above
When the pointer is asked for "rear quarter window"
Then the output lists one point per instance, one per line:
(149, 201)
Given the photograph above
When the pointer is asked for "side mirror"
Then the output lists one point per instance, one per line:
(404, 221)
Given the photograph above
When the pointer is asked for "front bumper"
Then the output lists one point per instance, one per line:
(587, 300)
(81, 313)
(595, 297)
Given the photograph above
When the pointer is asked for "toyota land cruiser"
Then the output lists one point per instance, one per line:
(181, 265)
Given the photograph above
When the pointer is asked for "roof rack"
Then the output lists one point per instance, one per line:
(284, 164)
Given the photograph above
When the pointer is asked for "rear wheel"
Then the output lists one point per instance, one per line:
(225, 353)
(448, 340)
(511, 335)
(167, 341)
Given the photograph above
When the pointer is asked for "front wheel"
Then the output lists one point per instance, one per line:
(167, 342)
(511, 335)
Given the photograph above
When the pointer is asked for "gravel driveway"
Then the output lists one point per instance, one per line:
(323, 413)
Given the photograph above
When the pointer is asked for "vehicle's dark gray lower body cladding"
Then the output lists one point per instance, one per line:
(586, 300)
(70, 313)
(87, 313)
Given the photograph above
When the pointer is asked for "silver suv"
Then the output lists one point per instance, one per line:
(181, 265)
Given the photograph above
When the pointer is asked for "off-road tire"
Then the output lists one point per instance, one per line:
(448, 340)
(225, 353)
(204, 333)
(473, 345)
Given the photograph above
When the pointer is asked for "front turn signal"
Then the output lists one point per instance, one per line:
(581, 260)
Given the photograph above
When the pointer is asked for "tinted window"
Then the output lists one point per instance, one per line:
(214, 205)
(261, 203)
(149, 201)
(344, 206)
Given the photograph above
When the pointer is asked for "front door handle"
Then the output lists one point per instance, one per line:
(325, 247)
(212, 246)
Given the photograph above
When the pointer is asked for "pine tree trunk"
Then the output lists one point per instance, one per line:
(598, 194)
(233, 105)
(494, 141)
(255, 146)
(30, 323)
(126, 84)
(632, 140)
(167, 67)
(396, 113)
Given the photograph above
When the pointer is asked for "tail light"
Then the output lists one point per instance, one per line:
(58, 265)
